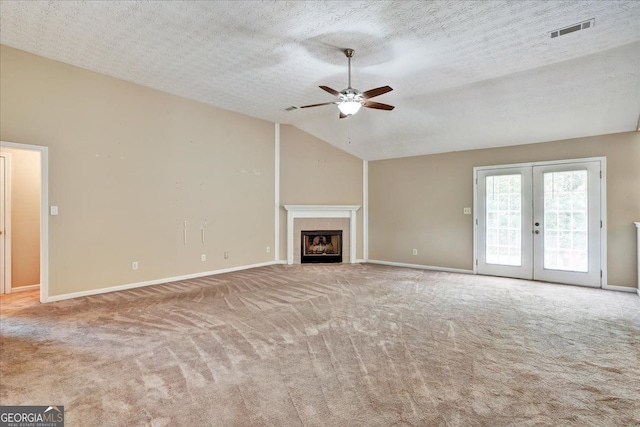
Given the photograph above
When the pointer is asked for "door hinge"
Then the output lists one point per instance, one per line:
(476, 181)
(476, 221)
(600, 223)
(600, 174)
(601, 274)
(476, 262)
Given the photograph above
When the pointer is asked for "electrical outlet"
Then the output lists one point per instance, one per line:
(226, 255)
(134, 265)
(203, 257)
(415, 252)
(268, 249)
(467, 211)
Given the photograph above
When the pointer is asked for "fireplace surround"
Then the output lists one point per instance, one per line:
(323, 211)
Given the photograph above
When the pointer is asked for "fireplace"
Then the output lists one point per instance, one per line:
(321, 246)
(321, 217)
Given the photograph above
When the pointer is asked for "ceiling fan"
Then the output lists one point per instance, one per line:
(350, 99)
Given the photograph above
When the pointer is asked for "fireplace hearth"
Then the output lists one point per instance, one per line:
(321, 246)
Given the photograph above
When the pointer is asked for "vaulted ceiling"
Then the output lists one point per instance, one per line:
(465, 74)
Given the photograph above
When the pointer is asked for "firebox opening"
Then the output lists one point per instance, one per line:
(321, 246)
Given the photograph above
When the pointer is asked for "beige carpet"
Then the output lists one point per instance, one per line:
(338, 345)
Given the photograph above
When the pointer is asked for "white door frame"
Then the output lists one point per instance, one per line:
(603, 207)
(5, 260)
(44, 215)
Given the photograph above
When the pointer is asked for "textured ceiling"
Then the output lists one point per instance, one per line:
(465, 74)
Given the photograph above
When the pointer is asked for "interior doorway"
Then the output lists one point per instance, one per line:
(5, 223)
(542, 221)
(24, 253)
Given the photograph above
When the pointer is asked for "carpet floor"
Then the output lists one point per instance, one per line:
(330, 345)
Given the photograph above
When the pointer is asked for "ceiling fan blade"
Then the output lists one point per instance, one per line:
(331, 91)
(376, 92)
(342, 115)
(317, 105)
(378, 105)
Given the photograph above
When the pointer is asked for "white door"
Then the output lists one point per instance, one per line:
(567, 223)
(504, 215)
(540, 222)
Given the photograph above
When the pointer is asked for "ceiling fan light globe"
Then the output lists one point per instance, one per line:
(349, 108)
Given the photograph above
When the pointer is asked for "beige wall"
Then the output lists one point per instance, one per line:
(313, 172)
(128, 165)
(418, 202)
(25, 217)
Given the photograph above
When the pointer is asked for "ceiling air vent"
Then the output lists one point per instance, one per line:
(291, 108)
(573, 28)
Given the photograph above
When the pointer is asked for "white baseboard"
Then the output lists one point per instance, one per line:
(360, 261)
(247, 267)
(25, 288)
(155, 282)
(421, 267)
(620, 288)
(456, 270)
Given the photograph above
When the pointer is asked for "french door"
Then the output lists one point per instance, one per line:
(540, 222)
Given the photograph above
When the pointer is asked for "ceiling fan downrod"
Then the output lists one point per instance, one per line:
(349, 54)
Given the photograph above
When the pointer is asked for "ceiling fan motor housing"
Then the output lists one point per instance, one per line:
(351, 95)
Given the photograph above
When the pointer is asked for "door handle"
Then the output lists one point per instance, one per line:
(537, 224)
(537, 231)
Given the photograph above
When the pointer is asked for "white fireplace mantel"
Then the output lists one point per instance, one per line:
(322, 211)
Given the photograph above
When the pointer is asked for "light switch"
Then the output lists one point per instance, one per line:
(54, 210)
(467, 211)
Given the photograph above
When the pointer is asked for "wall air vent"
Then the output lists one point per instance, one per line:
(572, 28)
(291, 108)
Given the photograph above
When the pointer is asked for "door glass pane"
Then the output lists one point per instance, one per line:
(566, 242)
(504, 219)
